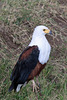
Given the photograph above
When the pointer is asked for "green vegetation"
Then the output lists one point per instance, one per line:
(18, 18)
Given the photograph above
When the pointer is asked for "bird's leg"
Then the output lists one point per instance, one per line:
(38, 82)
(35, 87)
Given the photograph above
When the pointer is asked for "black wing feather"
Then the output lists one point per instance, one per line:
(24, 67)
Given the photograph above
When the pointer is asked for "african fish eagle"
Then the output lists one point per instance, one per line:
(32, 60)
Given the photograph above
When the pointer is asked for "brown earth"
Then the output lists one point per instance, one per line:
(13, 39)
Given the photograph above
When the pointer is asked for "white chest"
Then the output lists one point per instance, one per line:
(44, 52)
(44, 48)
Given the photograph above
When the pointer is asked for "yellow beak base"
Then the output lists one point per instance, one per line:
(47, 31)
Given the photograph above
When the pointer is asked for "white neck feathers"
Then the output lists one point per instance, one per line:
(43, 45)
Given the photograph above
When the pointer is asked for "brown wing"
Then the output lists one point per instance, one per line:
(27, 52)
(36, 71)
(26, 63)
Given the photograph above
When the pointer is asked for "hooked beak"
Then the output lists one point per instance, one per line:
(50, 32)
(47, 31)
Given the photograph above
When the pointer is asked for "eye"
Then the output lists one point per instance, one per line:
(43, 29)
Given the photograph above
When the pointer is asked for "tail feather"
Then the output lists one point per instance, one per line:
(11, 87)
(14, 73)
(14, 77)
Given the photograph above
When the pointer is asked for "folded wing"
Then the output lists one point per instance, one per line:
(26, 63)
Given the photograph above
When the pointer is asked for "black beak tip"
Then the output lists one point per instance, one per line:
(50, 32)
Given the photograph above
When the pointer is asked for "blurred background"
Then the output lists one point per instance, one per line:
(18, 18)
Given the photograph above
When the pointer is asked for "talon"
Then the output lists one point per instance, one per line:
(35, 87)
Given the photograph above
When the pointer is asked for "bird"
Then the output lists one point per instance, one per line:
(32, 60)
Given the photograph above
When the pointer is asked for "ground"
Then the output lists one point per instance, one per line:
(18, 18)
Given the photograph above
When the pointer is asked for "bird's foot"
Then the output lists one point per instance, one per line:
(35, 87)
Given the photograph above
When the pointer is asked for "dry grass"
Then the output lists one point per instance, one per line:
(18, 18)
